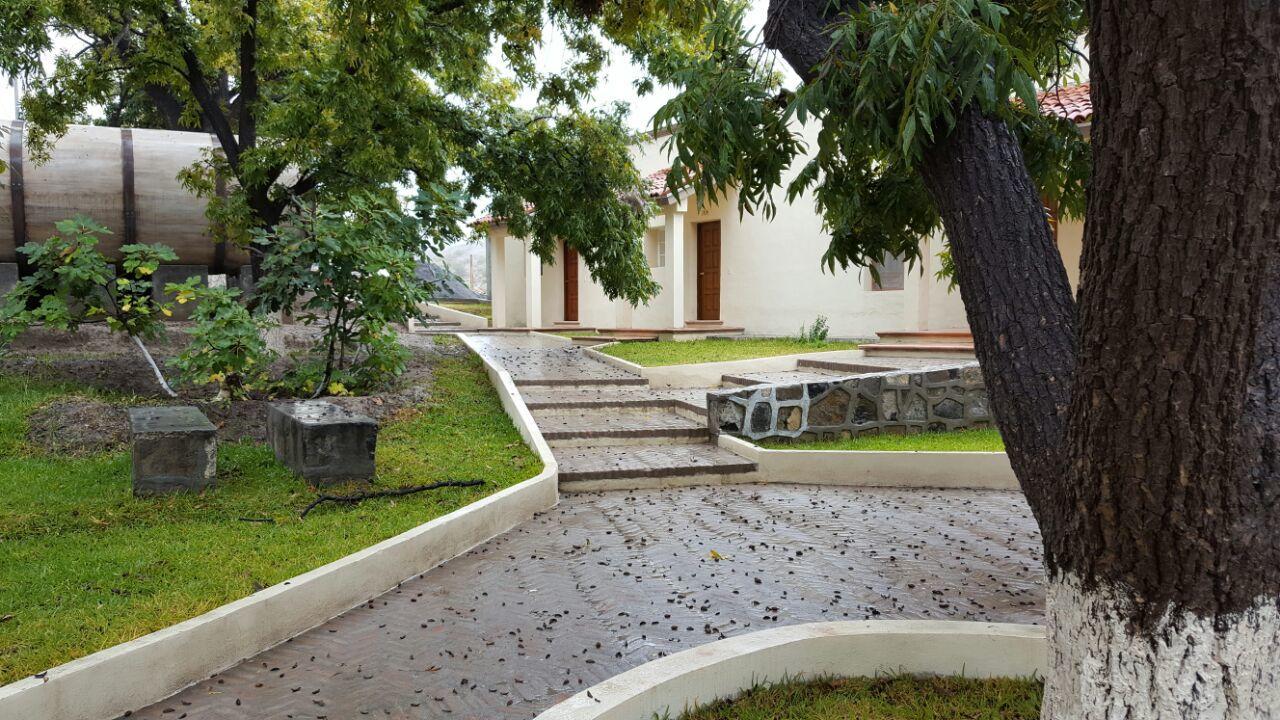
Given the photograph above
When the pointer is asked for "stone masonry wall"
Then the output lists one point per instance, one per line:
(941, 398)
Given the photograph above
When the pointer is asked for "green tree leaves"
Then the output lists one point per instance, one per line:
(349, 270)
(892, 82)
(227, 347)
(568, 178)
(314, 101)
(72, 283)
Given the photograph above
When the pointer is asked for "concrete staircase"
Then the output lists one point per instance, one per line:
(950, 344)
(614, 434)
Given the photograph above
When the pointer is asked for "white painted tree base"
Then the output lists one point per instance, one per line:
(1184, 669)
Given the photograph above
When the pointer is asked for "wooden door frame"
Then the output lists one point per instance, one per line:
(570, 259)
(704, 313)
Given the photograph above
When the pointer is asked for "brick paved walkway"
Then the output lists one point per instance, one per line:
(605, 425)
(608, 581)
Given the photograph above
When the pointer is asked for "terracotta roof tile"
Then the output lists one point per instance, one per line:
(655, 184)
(492, 219)
(1070, 102)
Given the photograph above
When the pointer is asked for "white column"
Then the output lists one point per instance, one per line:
(673, 233)
(532, 290)
(916, 284)
(498, 289)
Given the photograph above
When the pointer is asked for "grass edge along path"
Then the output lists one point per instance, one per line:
(686, 352)
(898, 697)
(969, 440)
(84, 565)
(480, 308)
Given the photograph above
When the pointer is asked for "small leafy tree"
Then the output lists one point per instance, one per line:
(72, 283)
(348, 269)
(227, 345)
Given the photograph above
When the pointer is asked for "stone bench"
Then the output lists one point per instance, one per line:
(174, 449)
(322, 442)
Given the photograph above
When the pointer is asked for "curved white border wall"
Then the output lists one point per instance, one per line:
(876, 468)
(847, 649)
(150, 668)
(465, 320)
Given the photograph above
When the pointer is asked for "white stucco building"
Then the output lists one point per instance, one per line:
(720, 270)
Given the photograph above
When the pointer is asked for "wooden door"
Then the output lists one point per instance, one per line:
(709, 271)
(570, 284)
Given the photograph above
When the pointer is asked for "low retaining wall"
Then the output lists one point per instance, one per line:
(847, 649)
(899, 401)
(701, 375)
(119, 679)
(465, 320)
(876, 468)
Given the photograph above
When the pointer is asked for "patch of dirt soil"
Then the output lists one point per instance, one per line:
(93, 358)
(77, 426)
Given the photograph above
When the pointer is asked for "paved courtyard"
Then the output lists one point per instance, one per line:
(607, 581)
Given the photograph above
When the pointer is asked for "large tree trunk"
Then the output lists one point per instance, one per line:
(1158, 491)
(1164, 596)
(1016, 293)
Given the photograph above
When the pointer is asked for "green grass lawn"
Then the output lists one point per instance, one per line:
(980, 440)
(84, 565)
(893, 698)
(673, 352)
(475, 307)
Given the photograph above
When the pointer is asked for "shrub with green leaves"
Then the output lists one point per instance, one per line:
(349, 270)
(71, 283)
(227, 345)
(815, 333)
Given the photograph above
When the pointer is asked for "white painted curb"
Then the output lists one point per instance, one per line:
(466, 320)
(150, 668)
(558, 338)
(845, 649)
(876, 468)
(701, 375)
(513, 403)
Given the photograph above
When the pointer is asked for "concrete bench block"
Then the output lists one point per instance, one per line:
(322, 442)
(174, 449)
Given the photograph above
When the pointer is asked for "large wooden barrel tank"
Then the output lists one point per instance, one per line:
(125, 179)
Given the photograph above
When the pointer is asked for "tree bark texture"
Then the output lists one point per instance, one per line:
(1017, 297)
(1152, 458)
(1172, 540)
(1016, 293)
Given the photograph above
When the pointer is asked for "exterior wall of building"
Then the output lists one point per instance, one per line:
(658, 311)
(930, 305)
(771, 280)
(1070, 244)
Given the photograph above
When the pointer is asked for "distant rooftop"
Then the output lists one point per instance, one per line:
(1071, 102)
